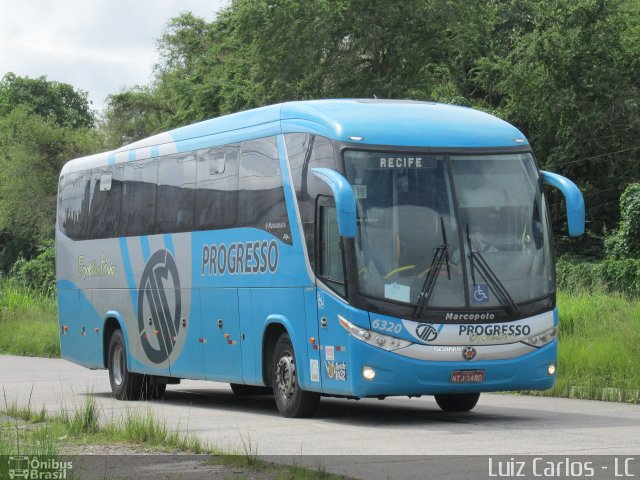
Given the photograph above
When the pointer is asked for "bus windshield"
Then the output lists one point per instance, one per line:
(424, 219)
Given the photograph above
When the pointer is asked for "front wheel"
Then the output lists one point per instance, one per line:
(457, 402)
(125, 385)
(291, 400)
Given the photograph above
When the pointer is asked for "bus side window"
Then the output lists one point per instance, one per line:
(176, 193)
(305, 152)
(138, 210)
(74, 205)
(261, 202)
(330, 259)
(104, 209)
(217, 188)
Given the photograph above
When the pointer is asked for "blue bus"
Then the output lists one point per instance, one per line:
(346, 248)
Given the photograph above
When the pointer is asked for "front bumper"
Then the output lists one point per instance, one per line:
(399, 375)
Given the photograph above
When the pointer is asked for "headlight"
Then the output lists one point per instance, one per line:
(543, 338)
(376, 339)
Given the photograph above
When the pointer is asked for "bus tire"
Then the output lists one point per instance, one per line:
(291, 400)
(242, 390)
(125, 385)
(457, 402)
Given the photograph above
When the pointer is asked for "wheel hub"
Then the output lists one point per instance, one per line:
(118, 365)
(286, 376)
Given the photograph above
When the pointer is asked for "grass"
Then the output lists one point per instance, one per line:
(26, 412)
(599, 347)
(28, 321)
(82, 425)
(145, 429)
(26, 431)
(15, 439)
(83, 420)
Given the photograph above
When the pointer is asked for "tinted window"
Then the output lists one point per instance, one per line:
(176, 193)
(201, 190)
(331, 265)
(73, 204)
(137, 214)
(306, 152)
(261, 201)
(104, 209)
(217, 188)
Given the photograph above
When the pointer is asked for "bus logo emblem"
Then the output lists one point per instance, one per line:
(469, 353)
(159, 297)
(426, 332)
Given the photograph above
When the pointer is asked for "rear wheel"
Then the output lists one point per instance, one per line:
(243, 390)
(457, 402)
(291, 400)
(125, 385)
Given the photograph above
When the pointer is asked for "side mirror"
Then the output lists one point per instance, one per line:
(344, 198)
(573, 198)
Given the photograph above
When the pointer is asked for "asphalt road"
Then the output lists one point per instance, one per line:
(366, 438)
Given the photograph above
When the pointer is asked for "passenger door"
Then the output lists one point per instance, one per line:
(331, 303)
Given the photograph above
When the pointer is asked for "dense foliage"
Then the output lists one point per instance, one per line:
(38, 273)
(605, 276)
(33, 149)
(55, 101)
(625, 241)
(567, 73)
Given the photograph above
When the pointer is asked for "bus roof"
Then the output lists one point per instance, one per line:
(404, 123)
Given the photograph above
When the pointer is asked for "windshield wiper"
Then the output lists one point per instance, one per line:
(440, 256)
(476, 260)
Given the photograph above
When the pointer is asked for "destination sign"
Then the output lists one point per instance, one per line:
(390, 162)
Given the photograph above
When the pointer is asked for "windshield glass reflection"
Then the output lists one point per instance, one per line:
(408, 246)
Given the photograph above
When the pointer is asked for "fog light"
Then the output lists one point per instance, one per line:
(552, 368)
(368, 373)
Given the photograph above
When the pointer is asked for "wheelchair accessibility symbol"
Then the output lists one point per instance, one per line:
(481, 293)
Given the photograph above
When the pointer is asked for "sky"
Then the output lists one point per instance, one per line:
(99, 46)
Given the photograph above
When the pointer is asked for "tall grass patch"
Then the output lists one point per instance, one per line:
(605, 276)
(20, 439)
(84, 419)
(28, 321)
(146, 428)
(598, 347)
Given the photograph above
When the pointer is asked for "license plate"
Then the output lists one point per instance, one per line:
(467, 376)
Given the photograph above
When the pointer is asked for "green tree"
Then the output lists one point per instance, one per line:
(569, 80)
(625, 241)
(42, 125)
(259, 52)
(32, 152)
(134, 114)
(59, 102)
